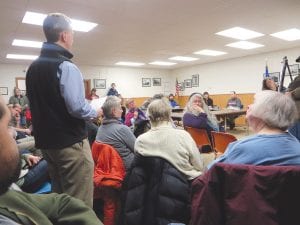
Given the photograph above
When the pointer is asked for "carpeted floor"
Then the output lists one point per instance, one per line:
(240, 132)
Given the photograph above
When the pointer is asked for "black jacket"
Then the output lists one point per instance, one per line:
(155, 193)
(54, 127)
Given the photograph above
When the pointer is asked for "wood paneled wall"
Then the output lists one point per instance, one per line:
(219, 100)
(246, 99)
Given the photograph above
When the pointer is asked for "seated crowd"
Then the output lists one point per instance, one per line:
(160, 160)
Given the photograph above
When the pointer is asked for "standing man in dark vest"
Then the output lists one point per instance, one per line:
(55, 90)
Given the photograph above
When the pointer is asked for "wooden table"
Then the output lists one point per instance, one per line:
(220, 114)
(224, 113)
(177, 115)
(177, 109)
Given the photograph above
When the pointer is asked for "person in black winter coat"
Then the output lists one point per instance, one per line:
(154, 193)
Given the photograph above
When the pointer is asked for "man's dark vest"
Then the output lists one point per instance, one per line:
(53, 126)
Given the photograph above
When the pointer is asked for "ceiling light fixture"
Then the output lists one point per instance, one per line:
(288, 35)
(38, 18)
(129, 64)
(183, 58)
(210, 52)
(240, 33)
(26, 43)
(161, 63)
(245, 45)
(25, 57)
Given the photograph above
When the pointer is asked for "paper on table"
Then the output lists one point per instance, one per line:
(97, 103)
(233, 107)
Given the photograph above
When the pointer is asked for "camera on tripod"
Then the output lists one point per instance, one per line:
(285, 67)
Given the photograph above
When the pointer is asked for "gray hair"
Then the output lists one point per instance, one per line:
(275, 109)
(189, 108)
(111, 102)
(54, 24)
(159, 111)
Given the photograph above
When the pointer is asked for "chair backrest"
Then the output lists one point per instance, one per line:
(229, 193)
(221, 140)
(200, 136)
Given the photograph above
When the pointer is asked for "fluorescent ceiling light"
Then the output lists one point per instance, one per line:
(183, 58)
(25, 43)
(245, 45)
(161, 63)
(210, 52)
(240, 33)
(25, 57)
(129, 64)
(83, 26)
(38, 18)
(34, 18)
(288, 35)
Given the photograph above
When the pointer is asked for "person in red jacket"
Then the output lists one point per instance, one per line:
(93, 94)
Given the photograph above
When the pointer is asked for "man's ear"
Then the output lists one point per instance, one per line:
(113, 111)
(63, 36)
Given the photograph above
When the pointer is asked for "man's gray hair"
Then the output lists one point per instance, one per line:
(159, 111)
(54, 24)
(111, 102)
(274, 109)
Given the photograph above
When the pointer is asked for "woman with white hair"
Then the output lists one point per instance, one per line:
(157, 187)
(163, 140)
(269, 117)
(197, 114)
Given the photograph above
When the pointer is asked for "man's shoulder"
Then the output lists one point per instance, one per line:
(69, 68)
(68, 64)
(120, 126)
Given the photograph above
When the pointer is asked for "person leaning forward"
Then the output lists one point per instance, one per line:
(17, 207)
(55, 89)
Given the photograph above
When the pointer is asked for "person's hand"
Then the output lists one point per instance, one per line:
(198, 108)
(27, 131)
(32, 160)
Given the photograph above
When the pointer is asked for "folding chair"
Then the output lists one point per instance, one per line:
(221, 141)
(201, 138)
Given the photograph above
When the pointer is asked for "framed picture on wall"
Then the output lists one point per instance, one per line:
(156, 81)
(100, 83)
(195, 80)
(3, 91)
(188, 83)
(146, 82)
(181, 86)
